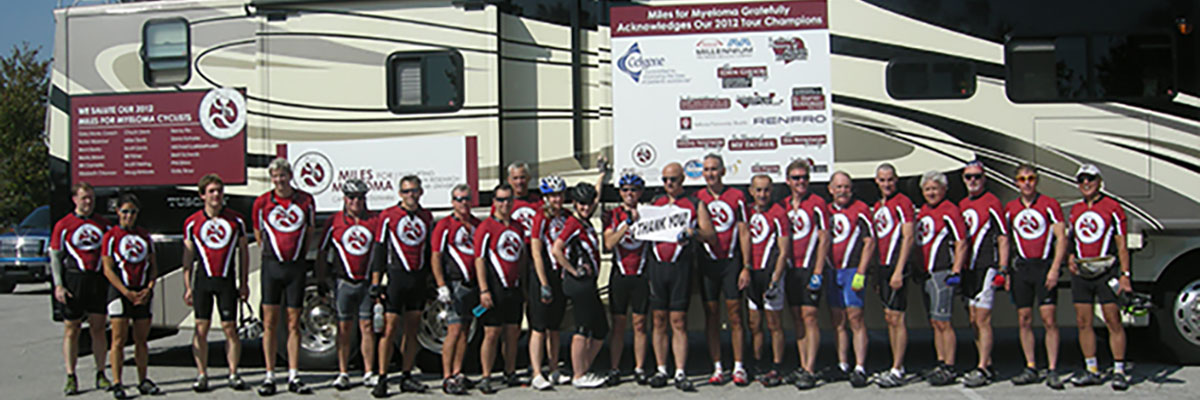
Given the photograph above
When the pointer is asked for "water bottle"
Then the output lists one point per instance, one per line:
(378, 318)
(1115, 285)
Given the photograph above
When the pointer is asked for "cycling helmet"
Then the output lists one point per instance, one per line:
(552, 184)
(631, 179)
(584, 193)
(355, 186)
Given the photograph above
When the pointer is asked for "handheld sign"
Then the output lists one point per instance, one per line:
(661, 223)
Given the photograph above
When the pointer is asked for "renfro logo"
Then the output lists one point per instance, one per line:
(790, 119)
(634, 64)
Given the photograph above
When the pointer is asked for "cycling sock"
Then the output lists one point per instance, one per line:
(292, 374)
(662, 369)
(1092, 365)
(738, 366)
(898, 372)
(1119, 366)
(844, 367)
(717, 367)
(859, 368)
(679, 374)
(270, 376)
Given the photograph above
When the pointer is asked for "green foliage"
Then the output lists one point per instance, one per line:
(24, 160)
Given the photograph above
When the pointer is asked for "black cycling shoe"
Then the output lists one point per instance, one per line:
(682, 383)
(1055, 380)
(102, 382)
(297, 387)
(236, 383)
(834, 374)
(641, 378)
(201, 384)
(1120, 381)
(613, 378)
(889, 380)
(511, 380)
(1087, 378)
(485, 386)
(1027, 377)
(979, 377)
(267, 388)
(805, 380)
(453, 386)
(72, 386)
(381, 388)
(148, 388)
(659, 380)
(463, 380)
(118, 392)
(409, 384)
(942, 377)
(770, 379)
(858, 379)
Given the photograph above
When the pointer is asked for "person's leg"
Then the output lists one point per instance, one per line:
(733, 310)
(838, 317)
(661, 338)
(200, 346)
(270, 337)
(511, 333)
(461, 352)
(712, 331)
(450, 350)
(639, 341)
(1116, 333)
(96, 325)
(344, 334)
(812, 337)
(983, 327)
(798, 326)
(679, 339)
(412, 324)
(391, 328)
(487, 351)
(1050, 324)
(897, 336)
(120, 331)
(366, 345)
(948, 339)
(859, 328)
(754, 317)
(580, 347)
(233, 346)
(1087, 337)
(616, 341)
(70, 344)
(775, 326)
(553, 343)
(293, 338)
(141, 350)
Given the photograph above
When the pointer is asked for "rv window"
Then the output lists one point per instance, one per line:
(1089, 68)
(423, 82)
(166, 52)
(923, 79)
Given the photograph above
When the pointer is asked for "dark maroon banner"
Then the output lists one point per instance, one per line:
(150, 139)
(726, 17)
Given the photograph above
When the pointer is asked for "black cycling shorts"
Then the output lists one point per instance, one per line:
(590, 319)
(88, 292)
(283, 283)
(796, 286)
(464, 297)
(719, 277)
(892, 299)
(1095, 290)
(406, 291)
(628, 293)
(546, 316)
(1028, 286)
(669, 284)
(121, 307)
(506, 309)
(204, 289)
(760, 282)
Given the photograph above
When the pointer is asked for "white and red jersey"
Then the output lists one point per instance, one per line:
(1030, 226)
(215, 239)
(81, 238)
(547, 228)
(405, 233)
(1094, 225)
(454, 239)
(501, 246)
(284, 223)
(630, 253)
(131, 251)
(848, 226)
(583, 245)
(668, 252)
(889, 215)
(765, 229)
(939, 228)
(354, 239)
(982, 215)
(726, 210)
(524, 209)
(806, 221)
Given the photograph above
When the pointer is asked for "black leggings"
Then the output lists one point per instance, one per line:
(591, 320)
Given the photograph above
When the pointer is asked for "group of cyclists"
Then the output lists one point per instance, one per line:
(532, 255)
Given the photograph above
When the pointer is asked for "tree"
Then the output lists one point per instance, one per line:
(24, 162)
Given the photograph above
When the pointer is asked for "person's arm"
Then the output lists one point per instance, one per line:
(613, 236)
(481, 249)
(907, 242)
(785, 250)
(189, 258)
(824, 245)
(110, 272)
(868, 250)
(744, 242)
(705, 232)
(960, 256)
(1125, 280)
(321, 266)
(244, 271)
(539, 265)
(602, 165)
(1060, 253)
(1003, 250)
(558, 251)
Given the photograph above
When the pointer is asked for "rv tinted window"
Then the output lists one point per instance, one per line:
(423, 82)
(1089, 68)
(166, 52)
(930, 79)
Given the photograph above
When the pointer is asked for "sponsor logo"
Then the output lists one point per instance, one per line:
(463, 240)
(697, 123)
(971, 218)
(1090, 226)
(223, 113)
(286, 219)
(841, 227)
(758, 228)
(643, 154)
(508, 246)
(804, 140)
(357, 240)
(1029, 224)
(790, 119)
(758, 100)
(883, 222)
(722, 215)
(692, 169)
(648, 70)
(685, 123)
(764, 169)
(925, 230)
(133, 248)
(808, 99)
(704, 103)
(740, 77)
(788, 49)
(314, 172)
(704, 143)
(411, 230)
(753, 144)
(801, 225)
(711, 48)
(86, 237)
(216, 233)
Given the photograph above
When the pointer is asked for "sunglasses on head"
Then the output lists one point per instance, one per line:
(971, 177)
(128, 211)
(1082, 178)
(502, 199)
(671, 179)
(462, 198)
(803, 177)
(1026, 178)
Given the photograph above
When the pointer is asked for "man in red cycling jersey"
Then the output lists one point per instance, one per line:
(629, 290)
(853, 243)
(941, 233)
(892, 219)
(453, 261)
(501, 255)
(766, 241)
(808, 220)
(526, 203)
(987, 256)
(78, 281)
(719, 267)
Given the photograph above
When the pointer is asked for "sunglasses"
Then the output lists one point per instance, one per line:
(672, 179)
(356, 196)
(711, 169)
(502, 199)
(407, 191)
(630, 189)
(128, 211)
(1026, 178)
(799, 177)
(971, 177)
(462, 198)
(1083, 178)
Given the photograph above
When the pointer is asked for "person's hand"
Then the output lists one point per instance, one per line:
(773, 292)
(547, 295)
(377, 292)
(1007, 281)
(62, 294)
(1051, 279)
(858, 282)
(953, 279)
(633, 216)
(443, 295)
(814, 283)
(187, 297)
(1000, 280)
(144, 296)
(1073, 266)
(1124, 284)
(743, 279)
(897, 281)
(602, 163)
(244, 292)
(684, 235)
(485, 300)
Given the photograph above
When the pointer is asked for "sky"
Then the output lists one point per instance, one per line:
(28, 20)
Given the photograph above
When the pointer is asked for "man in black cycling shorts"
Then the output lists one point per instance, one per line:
(453, 266)
(766, 246)
(808, 220)
(628, 289)
(213, 233)
(892, 219)
(719, 266)
(1100, 265)
(500, 257)
(669, 271)
(987, 256)
(1036, 226)
(283, 220)
(402, 244)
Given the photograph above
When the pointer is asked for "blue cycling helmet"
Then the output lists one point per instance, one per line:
(552, 184)
(631, 179)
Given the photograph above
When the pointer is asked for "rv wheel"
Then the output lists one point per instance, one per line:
(318, 332)
(1178, 322)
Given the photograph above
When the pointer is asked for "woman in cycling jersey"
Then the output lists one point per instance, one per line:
(628, 289)
(128, 256)
(577, 249)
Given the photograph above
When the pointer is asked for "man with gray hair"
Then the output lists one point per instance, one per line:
(453, 261)
(525, 203)
(893, 224)
(942, 236)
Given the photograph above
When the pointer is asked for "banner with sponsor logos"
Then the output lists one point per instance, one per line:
(162, 138)
(321, 168)
(748, 81)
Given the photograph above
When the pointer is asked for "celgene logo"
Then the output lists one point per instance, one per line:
(790, 119)
(633, 63)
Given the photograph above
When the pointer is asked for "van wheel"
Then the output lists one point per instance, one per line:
(432, 335)
(318, 332)
(7, 286)
(1178, 322)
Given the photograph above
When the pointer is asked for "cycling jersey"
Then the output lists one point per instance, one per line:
(524, 209)
(848, 227)
(890, 215)
(131, 251)
(765, 229)
(284, 221)
(354, 238)
(547, 229)
(726, 210)
(1031, 226)
(215, 239)
(1094, 225)
(405, 233)
(630, 253)
(668, 252)
(981, 214)
(453, 239)
(583, 246)
(806, 221)
(501, 245)
(81, 238)
(939, 228)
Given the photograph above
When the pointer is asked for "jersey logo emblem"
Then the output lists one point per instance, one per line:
(800, 224)
(410, 230)
(841, 228)
(286, 219)
(883, 222)
(133, 248)
(758, 228)
(722, 215)
(216, 233)
(524, 215)
(1030, 224)
(508, 246)
(357, 240)
(86, 237)
(925, 229)
(1089, 227)
(462, 240)
(971, 217)
(556, 227)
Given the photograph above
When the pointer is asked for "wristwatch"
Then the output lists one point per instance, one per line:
(1125, 274)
